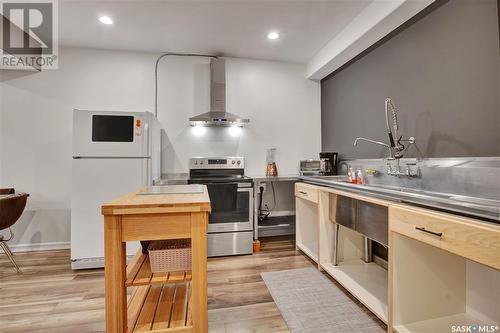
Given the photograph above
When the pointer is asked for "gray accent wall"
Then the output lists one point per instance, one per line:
(443, 73)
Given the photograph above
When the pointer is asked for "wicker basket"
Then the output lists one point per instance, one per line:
(170, 255)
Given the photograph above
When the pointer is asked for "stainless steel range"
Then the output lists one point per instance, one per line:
(230, 225)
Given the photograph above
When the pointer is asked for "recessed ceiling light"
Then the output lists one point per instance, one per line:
(106, 20)
(273, 35)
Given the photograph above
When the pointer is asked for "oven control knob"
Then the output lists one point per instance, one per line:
(239, 162)
(233, 162)
(201, 162)
(195, 162)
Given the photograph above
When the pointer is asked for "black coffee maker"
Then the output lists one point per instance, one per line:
(328, 164)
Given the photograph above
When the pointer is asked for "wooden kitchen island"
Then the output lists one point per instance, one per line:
(166, 302)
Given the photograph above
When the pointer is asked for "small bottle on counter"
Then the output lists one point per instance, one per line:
(359, 177)
(352, 176)
(349, 174)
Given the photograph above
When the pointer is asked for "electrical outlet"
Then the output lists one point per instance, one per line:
(264, 185)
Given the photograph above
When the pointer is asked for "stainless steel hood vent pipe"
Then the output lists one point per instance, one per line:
(177, 55)
(217, 116)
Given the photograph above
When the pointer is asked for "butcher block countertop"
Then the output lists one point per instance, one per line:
(137, 203)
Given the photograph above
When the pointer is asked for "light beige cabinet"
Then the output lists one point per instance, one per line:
(306, 220)
(342, 255)
(443, 269)
(317, 234)
(443, 272)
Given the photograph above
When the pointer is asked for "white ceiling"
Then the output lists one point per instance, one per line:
(228, 27)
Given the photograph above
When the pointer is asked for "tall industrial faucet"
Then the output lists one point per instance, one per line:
(396, 147)
(375, 142)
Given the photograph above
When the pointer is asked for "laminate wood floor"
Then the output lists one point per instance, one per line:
(50, 297)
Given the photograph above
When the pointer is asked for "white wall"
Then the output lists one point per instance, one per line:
(35, 121)
(283, 107)
(35, 153)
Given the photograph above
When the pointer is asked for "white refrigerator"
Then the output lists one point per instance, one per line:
(114, 153)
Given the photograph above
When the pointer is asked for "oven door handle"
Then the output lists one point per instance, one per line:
(245, 185)
(238, 184)
(245, 189)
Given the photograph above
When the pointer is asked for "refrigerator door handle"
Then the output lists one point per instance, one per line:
(145, 172)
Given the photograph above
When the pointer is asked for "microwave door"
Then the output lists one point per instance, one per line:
(110, 134)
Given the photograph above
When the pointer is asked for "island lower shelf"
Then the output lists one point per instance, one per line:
(160, 302)
(139, 273)
(160, 308)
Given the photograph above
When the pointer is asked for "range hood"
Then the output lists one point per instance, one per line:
(217, 116)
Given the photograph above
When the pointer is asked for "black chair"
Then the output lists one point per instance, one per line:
(11, 207)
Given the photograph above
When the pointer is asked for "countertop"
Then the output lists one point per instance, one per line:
(136, 203)
(481, 208)
(278, 178)
(172, 179)
(182, 178)
(471, 206)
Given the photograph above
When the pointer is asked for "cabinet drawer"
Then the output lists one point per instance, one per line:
(465, 237)
(306, 191)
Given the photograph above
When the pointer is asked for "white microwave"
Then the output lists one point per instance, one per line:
(111, 133)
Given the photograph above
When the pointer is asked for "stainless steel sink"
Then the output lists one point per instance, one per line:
(479, 207)
(368, 219)
(478, 201)
(343, 179)
(412, 191)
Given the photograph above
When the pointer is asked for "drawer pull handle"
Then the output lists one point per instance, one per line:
(302, 192)
(439, 234)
